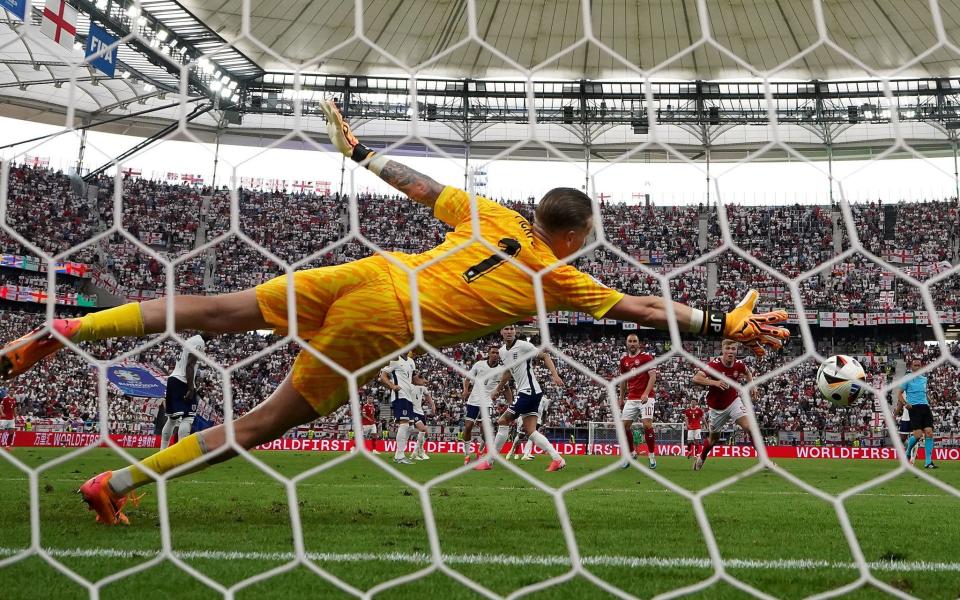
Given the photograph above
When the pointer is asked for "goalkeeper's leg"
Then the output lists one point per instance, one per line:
(227, 313)
(286, 408)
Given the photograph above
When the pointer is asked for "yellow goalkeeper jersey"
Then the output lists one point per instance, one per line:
(467, 290)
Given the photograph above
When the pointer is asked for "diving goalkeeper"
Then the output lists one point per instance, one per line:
(359, 313)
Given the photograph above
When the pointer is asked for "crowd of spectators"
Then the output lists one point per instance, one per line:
(65, 386)
(174, 219)
(43, 206)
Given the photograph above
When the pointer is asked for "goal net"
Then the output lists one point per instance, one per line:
(132, 240)
(671, 437)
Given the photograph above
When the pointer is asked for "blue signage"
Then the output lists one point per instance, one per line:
(17, 8)
(101, 49)
(136, 380)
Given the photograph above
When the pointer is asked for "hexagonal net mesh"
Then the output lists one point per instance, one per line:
(731, 255)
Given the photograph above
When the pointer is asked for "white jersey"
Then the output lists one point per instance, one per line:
(401, 372)
(419, 393)
(905, 415)
(196, 344)
(485, 379)
(519, 358)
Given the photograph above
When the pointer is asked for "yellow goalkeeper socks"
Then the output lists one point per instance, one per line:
(121, 321)
(132, 477)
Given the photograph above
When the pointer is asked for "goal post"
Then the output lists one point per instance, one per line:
(605, 432)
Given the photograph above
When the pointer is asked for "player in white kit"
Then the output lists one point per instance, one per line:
(421, 395)
(398, 377)
(478, 388)
(180, 404)
(517, 357)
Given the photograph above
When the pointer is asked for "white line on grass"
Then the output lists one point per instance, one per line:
(504, 559)
(506, 488)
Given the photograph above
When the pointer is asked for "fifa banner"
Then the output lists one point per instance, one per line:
(75, 440)
(571, 449)
(30, 263)
(135, 379)
(63, 439)
(20, 293)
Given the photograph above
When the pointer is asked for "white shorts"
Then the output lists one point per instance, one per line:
(634, 410)
(720, 418)
(693, 434)
(7, 424)
(368, 430)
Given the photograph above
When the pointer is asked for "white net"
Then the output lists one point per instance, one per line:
(227, 235)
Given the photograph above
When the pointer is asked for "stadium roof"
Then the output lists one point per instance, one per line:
(884, 34)
(38, 78)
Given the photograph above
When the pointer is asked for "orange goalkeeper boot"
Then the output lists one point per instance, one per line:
(23, 352)
(100, 499)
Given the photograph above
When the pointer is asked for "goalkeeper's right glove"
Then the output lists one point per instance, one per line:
(752, 330)
(341, 136)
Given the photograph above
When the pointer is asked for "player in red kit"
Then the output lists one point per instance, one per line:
(724, 403)
(693, 415)
(368, 419)
(8, 415)
(636, 398)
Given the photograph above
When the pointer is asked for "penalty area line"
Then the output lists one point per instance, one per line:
(504, 559)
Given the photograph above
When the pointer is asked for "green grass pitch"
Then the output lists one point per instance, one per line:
(231, 522)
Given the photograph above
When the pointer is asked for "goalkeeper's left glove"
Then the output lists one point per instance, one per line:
(341, 136)
(755, 331)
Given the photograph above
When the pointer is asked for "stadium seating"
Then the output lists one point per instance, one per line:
(176, 219)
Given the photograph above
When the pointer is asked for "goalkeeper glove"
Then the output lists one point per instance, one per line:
(755, 331)
(343, 139)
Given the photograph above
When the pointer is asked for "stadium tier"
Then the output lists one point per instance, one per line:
(450, 299)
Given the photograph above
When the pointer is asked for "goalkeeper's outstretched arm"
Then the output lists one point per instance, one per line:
(414, 184)
(753, 330)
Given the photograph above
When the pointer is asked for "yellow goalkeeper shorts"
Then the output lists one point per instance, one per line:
(349, 313)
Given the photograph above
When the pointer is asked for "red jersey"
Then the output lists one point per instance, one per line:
(638, 383)
(694, 417)
(720, 399)
(8, 409)
(368, 414)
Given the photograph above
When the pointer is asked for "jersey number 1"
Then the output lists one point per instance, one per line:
(510, 247)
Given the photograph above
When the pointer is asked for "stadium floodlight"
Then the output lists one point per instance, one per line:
(225, 92)
(133, 11)
(174, 42)
(125, 75)
(162, 35)
(232, 85)
(215, 86)
(142, 21)
(148, 87)
(225, 80)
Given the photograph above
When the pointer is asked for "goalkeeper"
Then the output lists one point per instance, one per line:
(360, 313)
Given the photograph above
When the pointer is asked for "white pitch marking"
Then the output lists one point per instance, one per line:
(505, 559)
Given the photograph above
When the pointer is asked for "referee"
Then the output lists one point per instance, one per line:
(913, 395)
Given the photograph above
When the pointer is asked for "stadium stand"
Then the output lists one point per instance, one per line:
(176, 219)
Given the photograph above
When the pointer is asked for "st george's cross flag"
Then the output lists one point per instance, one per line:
(59, 22)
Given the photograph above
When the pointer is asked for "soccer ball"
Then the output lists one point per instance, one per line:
(840, 379)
